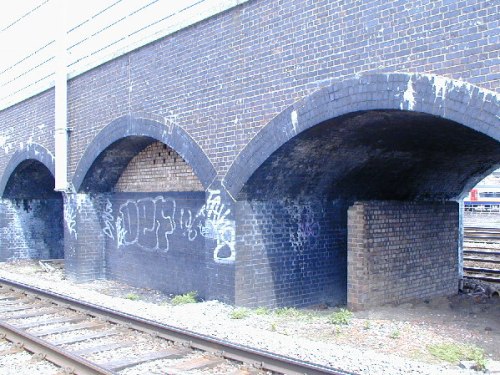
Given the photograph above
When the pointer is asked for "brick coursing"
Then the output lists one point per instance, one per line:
(223, 79)
(399, 251)
(291, 253)
(26, 232)
(162, 248)
(158, 168)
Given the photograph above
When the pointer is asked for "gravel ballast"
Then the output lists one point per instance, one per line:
(372, 342)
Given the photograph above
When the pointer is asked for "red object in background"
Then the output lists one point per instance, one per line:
(474, 195)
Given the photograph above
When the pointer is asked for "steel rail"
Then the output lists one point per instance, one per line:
(481, 260)
(241, 353)
(62, 358)
(483, 277)
(482, 270)
(484, 251)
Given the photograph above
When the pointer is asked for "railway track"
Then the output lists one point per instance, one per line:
(83, 338)
(482, 253)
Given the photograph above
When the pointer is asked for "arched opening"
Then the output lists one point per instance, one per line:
(147, 201)
(33, 227)
(344, 198)
(481, 221)
(150, 221)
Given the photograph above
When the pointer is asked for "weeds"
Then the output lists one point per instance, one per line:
(292, 312)
(341, 317)
(454, 353)
(287, 312)
(133, 297)
(183, 299)
(239, 313)
(261, 311)
(396, 334)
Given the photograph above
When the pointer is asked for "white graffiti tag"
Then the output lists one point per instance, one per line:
(107, 217)
(70, 219)
(148, 222)
(217, 226)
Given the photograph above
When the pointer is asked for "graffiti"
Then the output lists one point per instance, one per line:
(120, 232)
(218, 227)
(170, 121)
(4, 144)
(307, 228)
(187, 224)
(409, 96)
(150, 223)
(70, 219)
(107, 218)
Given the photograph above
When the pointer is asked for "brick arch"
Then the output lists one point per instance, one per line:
(32, 152)
(128, 135)
(438, 96)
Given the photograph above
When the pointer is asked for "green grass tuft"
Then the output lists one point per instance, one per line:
(288, 312)
(261, 311)
(454, 353)
(396, 334)
(133, 297)
(341, 317)
(183, 299)
(239, 313)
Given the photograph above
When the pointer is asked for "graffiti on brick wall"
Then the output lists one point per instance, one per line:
(150, 223)
(107, 218)
(147, 223)
(216, 225)
(306, 228)
(70, 219)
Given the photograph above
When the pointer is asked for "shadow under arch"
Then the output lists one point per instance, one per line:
(114, 146)
(32, 211)
(385, 141)
(38, 163)
(434, 97)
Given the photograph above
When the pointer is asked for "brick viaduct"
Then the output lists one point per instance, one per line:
(279, 153)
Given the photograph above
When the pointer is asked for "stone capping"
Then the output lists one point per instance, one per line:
(32, 151)
(450, 99)
(173, 136)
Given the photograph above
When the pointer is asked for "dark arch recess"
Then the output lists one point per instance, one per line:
(381, 136)
(112, 149)
(29, 175)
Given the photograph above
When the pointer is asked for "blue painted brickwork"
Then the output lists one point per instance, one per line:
(291, 253)
(84, 242)
(152, 241)
(31, 229)
(225, 78)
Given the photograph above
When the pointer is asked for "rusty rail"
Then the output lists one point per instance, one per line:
(71, 363)
(259, 358)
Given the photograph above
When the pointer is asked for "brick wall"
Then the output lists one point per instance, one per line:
(225, 78)
(158, 168)
(399, 251)
(26, 232)
(84, 240)
(291, 253)
(154, 241)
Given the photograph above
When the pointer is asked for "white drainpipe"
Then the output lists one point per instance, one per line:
(61, 101)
